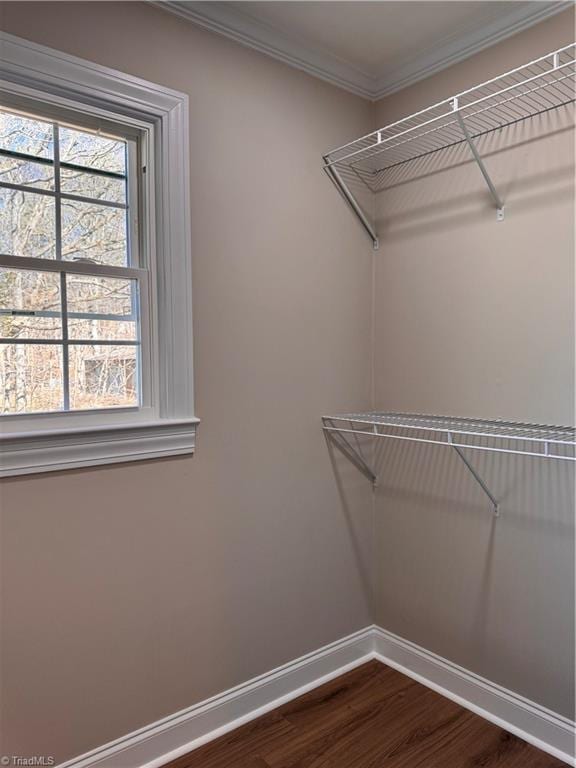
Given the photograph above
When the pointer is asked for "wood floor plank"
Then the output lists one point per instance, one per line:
(240, 746)
(356, 729)
(371, 717)
(399, 727)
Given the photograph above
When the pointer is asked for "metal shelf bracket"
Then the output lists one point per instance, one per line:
(346, 193)
(352, 453)
(546, 442)
(476, 477)
(483, 170)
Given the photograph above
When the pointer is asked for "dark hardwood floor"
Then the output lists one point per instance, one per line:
(372, 717)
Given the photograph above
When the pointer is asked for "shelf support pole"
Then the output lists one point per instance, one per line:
(478, 479)
(344, 190)
(495, 196)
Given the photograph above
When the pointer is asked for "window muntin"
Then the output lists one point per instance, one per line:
(72, 292)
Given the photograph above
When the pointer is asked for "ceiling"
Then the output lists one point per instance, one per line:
(370, 48)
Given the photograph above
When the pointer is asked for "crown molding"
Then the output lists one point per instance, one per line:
(452, 50)
(225, 19)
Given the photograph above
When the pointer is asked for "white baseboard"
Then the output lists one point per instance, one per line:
(167, 739)
(537, 725)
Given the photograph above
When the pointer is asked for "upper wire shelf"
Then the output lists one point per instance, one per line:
(539, 86)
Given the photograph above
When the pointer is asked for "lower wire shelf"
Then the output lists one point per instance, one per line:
(459, 434)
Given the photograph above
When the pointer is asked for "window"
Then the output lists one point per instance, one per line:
(71, 286)
(95, 286)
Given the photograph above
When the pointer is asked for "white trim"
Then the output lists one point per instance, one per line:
(92, 446)
(537, 725)
(34, 71)
(158, 743)
(228, 20)
(461, 47)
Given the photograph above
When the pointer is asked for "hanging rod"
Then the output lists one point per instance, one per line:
(539, 86)
(460, 434)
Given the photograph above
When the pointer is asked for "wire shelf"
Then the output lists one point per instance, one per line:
(532, 89)
(543, 441)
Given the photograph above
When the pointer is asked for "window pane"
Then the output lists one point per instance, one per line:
(92, 151)
(34, 297)
(92, 231)
(30, 378)
(27, 224)
(103, 376)
(91, 185)
(26, 135)
(14, 170)
(106, 305)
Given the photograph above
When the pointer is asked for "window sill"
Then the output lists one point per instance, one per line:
(54, 450)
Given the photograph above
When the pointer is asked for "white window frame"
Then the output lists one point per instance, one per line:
(167, 426)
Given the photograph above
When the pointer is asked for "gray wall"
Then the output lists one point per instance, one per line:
(131, 592)
(476, 318)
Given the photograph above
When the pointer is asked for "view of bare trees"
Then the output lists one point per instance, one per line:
(68, 341)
